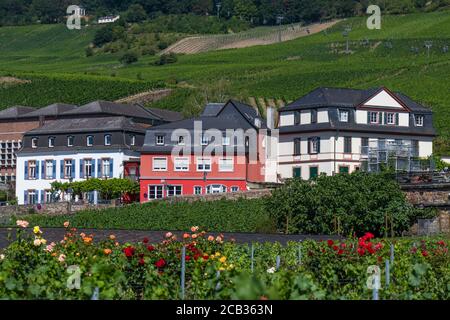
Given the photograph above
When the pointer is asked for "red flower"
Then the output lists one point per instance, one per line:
(161, 263)
(141, 262)
(188, 258)
(330, 243)
(335, 248)
(361, 251)
(196, 256)
(129, 252)
(205, 257)
(343, 245)
(340, 252)
(150, 248)
(369, 235)
(141, 255)
(145, 240)
(414, 250)
(425, 253)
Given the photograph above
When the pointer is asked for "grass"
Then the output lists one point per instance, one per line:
(229, 215)
(287, 70)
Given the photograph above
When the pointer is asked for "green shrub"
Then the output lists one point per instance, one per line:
(129, 58)
(342, 204)
(166, 59)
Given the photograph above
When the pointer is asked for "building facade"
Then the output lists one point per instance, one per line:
(221, 151)
(334, 130)
(74, 150)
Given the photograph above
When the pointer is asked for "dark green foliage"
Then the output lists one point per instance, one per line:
(129, 58)
(103, 36)
(166, 59)
(343, 204)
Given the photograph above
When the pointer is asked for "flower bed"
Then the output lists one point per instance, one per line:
(217, 268)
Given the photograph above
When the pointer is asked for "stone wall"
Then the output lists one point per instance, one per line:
(436, 194)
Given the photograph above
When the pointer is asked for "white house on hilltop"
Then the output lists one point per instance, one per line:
(333, 130)
(108, 19)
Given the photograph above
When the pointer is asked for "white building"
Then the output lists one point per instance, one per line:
(74, 150)
(108, 19)
(342, 130)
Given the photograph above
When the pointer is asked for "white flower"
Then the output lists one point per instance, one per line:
(271, 270)
(2, 256)
(62, 257)
(37, 242)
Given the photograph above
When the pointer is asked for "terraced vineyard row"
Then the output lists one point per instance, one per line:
(259, 36)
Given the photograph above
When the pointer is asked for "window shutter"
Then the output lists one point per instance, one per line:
(81, 168)
(385, 117)
(368, 117)
(26, 170)
(54, 169)
(43, 169)
(62, 169)
(42, 196)
(25, 199)
(309, 146)
(318, 144)
(38, 164)
(380, 117)
(297, 117)
(36, 196)
(99, 168)
(396, 118)
(111, 167)
(73, 169)
(94, 168)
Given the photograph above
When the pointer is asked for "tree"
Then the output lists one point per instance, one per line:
(129, 58)
(135, 13)
(103, 36)
(245, 9)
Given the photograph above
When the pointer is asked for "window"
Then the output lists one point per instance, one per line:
(234, 189)
(390, 118)
(314, 116)
(51, 142)
(106, 167)
(198, 190)
(365, 146)
(204, 140)
(297, 147)
(226, 165)
(67, 169)
(314, 145)
(415, 147)
(344, 169)
(90, 141)
(419, 120)
(159, 140)
(34, 143)
(343, 115)
(313, 172)
(133, 140)
(107, 139)
(297, 172)
(226, 141)
(32, 174)
(203, 164)
(216, 188)
(347, 144)
(174, 191)
(373, 117)
(181, 141)
(159, 164)
(155, 192)
(48, 196)
(70, 140)
(297, 117)
(181, 164)
(49, 169)
(32, 197)
(88, 168)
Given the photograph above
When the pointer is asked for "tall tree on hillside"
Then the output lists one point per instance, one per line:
(135, 13)
(245, 9)
(203, 7)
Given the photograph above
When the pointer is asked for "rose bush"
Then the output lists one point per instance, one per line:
(217, 268)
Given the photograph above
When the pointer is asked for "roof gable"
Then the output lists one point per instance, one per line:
(383, 98)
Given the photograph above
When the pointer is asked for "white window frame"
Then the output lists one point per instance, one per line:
(196, 188)
(159, 169)
(175, 190)
(34, 143)
(87, 163)
(68, 168)
(32, 167)
(32, 197)
(69, 143)
(202, 163)
(234, 189)
(223, 188)
(156, 187)
(106, 167)
(377, 115)
(51, 142)
(184, 166)
(108, 136)
(418, 120)
(181, 141)
(341, 113)
(49, 169)
(227, 168)
(159, 140)
(314, 145)
(390, 121)
(48, 198)
(133, 140)
(90, 144)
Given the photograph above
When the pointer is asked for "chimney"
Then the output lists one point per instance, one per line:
(270, 117)
(41, 121)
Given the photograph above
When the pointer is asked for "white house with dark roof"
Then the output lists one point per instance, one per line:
(333, 130)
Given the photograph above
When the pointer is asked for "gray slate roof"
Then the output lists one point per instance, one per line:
(212, 109)
(88, 125)
(165, 115)
(342, 97)
(15, 112)
(55, 109)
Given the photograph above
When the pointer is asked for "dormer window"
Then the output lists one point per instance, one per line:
(34, 143)
(343, 115)
(90, 141)
(133, 140)
(107, 139)
(51, 142)
(419, 120)
(181, 141)
(70, 140)
(204, 140)
(159, 140)
(390, 118)
(373, 117)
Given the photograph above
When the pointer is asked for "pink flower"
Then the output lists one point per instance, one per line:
(194, 229)
(169, 234)
(66, 224)
(210, 238)
(62, 258)
(22, 223)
